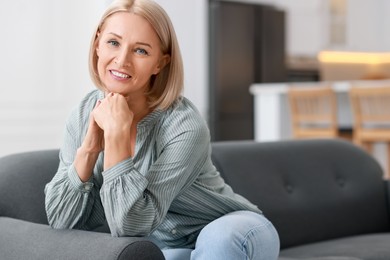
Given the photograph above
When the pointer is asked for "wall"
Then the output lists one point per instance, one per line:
(368, 24)
(308, 23)
(43, 69)
(307, 30)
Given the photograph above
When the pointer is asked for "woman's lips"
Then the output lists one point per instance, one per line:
(119, 75)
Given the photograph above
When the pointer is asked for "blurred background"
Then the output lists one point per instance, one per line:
(226, 47)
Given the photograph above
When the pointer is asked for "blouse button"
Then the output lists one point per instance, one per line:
(173, 231)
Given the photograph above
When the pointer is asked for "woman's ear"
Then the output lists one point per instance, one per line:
(97, 43)
(165, 59)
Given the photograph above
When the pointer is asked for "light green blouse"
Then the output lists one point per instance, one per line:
(169, 190)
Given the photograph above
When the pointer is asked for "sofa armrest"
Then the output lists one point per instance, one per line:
(23, 177)
(25, 240)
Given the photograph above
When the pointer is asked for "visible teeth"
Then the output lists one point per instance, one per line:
(118, 74)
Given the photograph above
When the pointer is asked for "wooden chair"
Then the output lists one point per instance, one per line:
(313, 112)
(371, 111)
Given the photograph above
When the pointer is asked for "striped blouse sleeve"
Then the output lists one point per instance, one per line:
(69, 202)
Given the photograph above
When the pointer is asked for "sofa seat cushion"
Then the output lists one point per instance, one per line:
(367, 247)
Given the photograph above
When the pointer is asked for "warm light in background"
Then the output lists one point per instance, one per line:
(354, 57)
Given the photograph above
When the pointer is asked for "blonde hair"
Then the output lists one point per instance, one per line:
(167, 86)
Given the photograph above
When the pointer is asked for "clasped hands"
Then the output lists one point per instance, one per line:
(110, 117)
(109, 129)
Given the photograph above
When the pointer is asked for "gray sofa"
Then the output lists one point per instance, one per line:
(326, 198)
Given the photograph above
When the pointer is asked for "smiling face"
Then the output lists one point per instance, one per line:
(129, 53)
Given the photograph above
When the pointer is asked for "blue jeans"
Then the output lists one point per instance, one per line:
(240, 235)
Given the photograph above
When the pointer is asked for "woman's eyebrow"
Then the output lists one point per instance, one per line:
(144, 43)
(139, 43)
(116, 35)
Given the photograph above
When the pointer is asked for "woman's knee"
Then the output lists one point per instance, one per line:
(246, 234)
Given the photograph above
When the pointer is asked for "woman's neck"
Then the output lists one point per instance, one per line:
(140, 108)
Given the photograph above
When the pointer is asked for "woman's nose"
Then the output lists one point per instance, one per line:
(123, 58)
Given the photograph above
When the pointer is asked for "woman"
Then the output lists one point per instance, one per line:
(137, 155)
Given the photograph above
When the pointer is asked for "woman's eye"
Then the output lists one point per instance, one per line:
(141, 51)
(113, 43)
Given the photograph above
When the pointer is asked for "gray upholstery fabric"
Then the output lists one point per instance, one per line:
(367, 247)
(312, 190)
(25, 240)
(22, 181)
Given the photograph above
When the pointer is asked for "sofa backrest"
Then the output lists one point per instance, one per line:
(23, 177)
(312, 190)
